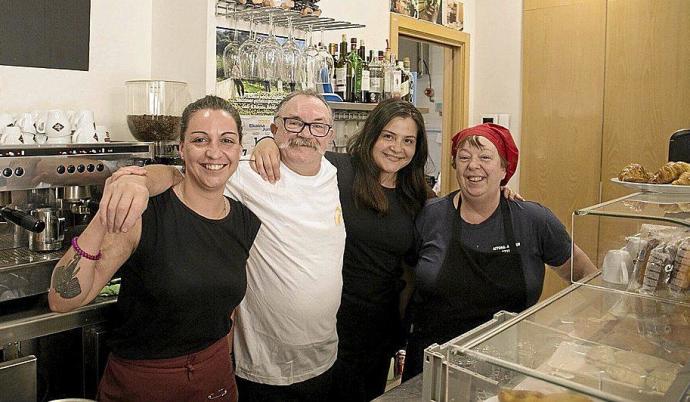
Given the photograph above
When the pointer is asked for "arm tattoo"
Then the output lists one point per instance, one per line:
(66, 281)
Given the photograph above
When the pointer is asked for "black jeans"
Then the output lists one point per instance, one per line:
(414, 358)
(312, 390)
(360, 376)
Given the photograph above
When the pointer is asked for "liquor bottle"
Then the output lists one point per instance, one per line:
(404, 81)
(413, 83)
(391, 78)
(387, 78)
(341, 70)
(333, 51)
(354, 74)
(396, 86)
(376, 78)
(366, 76)
(387, 73)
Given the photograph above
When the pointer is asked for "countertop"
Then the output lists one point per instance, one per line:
(31, 318)
(410, 390)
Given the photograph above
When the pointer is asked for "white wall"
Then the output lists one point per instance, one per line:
(120, 50)
(182, 33)
(372, 13)
(496, 62)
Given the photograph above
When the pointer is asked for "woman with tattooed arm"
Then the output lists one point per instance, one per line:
(183, 272)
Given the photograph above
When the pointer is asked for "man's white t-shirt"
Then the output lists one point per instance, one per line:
(285, 328)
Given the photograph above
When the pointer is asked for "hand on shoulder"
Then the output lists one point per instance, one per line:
(125, 198)
(509, 194)
(265, 160)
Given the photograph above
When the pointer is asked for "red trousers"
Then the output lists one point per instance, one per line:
(206, 375)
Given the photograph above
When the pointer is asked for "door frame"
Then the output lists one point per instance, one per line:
(455, 112)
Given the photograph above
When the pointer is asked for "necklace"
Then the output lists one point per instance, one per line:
(182, 197)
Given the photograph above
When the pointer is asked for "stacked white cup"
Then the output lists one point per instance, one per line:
(51, 127)
(85, 127)
(56, 128)
(6, 120)
(27, 127)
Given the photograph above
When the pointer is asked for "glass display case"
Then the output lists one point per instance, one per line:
(642, 243)
(608, 337)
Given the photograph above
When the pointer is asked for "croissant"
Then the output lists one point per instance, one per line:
(670, 172)
(514, 395)
(634, 172)
(683, 179)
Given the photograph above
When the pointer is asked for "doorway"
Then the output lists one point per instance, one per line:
(440, 57)
(426, 65)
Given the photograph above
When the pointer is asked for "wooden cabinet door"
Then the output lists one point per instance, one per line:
(562, 110)
(647, 91)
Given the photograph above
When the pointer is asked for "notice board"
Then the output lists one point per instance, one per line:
(42, 33)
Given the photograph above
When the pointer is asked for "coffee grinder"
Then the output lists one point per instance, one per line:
(154, 110)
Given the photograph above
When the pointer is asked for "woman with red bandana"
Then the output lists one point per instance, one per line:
(480, 253)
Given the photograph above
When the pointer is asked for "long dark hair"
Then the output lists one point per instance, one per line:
(410, 183)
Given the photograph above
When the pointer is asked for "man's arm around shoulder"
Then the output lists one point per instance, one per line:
(127, 192)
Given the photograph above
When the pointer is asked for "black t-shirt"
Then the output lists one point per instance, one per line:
(183, 280)
(375, 244)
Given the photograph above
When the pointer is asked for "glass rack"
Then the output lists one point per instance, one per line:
(280, 16)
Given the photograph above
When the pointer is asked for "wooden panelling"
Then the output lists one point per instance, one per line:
(538, 4)
(647, 92)
(647, 83)
(563, 80)
(605, 83)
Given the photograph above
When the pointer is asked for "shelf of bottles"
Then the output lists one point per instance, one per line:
(281, 16)
(345, 71)
(369, 78)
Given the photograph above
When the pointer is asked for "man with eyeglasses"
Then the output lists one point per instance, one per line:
(285, 339)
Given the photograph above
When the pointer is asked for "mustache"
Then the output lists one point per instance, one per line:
(301, 142)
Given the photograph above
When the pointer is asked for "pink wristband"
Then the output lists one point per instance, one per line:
(83, 253)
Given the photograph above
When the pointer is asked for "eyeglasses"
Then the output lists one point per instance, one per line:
(294, 125)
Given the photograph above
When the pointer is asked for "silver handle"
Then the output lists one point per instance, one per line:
(60, 229)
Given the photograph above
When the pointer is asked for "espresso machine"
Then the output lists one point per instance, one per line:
(48, 194)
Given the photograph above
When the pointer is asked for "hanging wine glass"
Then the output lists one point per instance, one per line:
(270, 56)
(292, 59)
(324, 68)
(231, 59)
(249, 66)
(310, 67)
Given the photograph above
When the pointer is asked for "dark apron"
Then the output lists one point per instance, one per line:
(206, 375)
(470, 288)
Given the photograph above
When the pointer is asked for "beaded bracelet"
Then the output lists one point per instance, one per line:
(83, 253)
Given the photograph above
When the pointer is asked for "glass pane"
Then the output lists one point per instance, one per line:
(605, 344)
(670, 207)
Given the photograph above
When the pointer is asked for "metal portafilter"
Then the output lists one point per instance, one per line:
(23, 219)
